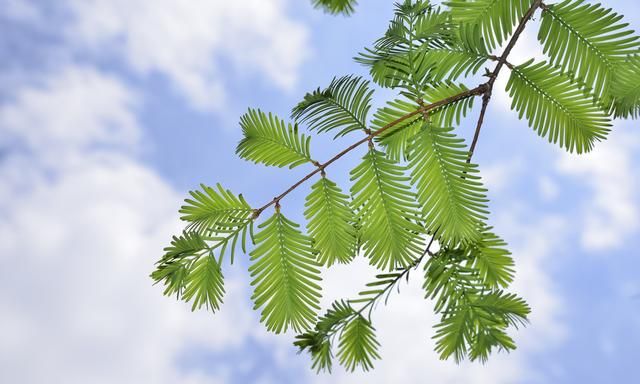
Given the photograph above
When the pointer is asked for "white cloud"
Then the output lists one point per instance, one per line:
(547, 188)
(498, 176)
(611, 214)
(71, 111)
(189, 41)
(79, 238)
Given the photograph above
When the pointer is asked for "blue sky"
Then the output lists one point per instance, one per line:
(111, 110)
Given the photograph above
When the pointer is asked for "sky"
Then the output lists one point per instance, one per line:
(111, 110)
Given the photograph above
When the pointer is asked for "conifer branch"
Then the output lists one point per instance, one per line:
(477, 91)
(486, 97)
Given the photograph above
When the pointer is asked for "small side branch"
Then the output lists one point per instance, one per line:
(320, 167)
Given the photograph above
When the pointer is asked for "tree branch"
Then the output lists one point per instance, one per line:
(502, 61)
(486, 97)
(477, 91)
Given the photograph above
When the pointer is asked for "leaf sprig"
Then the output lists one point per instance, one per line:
(415, 186)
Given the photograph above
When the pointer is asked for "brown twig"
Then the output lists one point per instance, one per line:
(502, 61)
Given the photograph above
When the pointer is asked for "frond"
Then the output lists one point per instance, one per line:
(219, 216)
(396, 139)
(204, 284)
(474, 319)
(397, 59)
(270, 141)
(387, 212)
(556, 107)
(343, 105)
(587, 41)
(286, 276)
(358, 345)
(345, 7)
(318, 342)
(454, 334)
(329, 222)
(451, 114)
(625, 89)
(492, 260)
(449, 280)
(464, 55)
(494, 18)
(210, 209)
(449, 189)
(173, 267)
(190, 271)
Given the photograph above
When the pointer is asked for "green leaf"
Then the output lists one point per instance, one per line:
(318, 341)
(219, 216)
(358, 345)
(449, 189)
(625, 89)
(448, 279)
(397, 138)
(173, 267)
(343, 105)
(204, 284)
(495, 19)
(452, 113)
(587, 41)
(474, 318)
(345, 7)
(211, 209)
(556, 107)
(270, 141)
(397, 59)
(329, 222)
(285, 276)
(492, 260)
(454, 333)
(387, 212)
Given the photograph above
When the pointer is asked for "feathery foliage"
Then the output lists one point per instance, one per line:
(451, 114)
(449, 190)
(386, 211)
(556, 107)
(625, 88)
(345, 7)
(343, 105)
(495, 19)
(205, 283)
(474, 318)
(397, 139)
(400, 57)
(586, 41)
(416, 186)
(189, 270)
(220, 216)
(329, 222)
(285, 274)
(270, 141)
(358, 345)
(319, 340)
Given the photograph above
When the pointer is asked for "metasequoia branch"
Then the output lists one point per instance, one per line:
(320, 167)
(485, 90)
(502, 61)
(486, 97)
